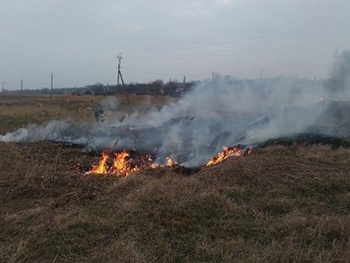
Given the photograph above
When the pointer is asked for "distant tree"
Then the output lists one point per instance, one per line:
(156, 86)
(172, 84)
(97, 88)
(339, 79)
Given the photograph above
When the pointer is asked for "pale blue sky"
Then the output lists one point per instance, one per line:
(161, 39)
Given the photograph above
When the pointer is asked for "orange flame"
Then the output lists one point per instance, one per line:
(169, 161)
(123, 164)
(228, 151)
(101, 167)
(120, 164)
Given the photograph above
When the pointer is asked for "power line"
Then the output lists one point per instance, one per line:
(220, 43)
(149, 72)
(227, 52)
(236, 53)
(233, 41)
(164, 74)
(230, 51)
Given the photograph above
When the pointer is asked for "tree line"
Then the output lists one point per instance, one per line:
(337, 83)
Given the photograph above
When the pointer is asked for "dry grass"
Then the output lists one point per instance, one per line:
(281, 204)
(17, 111)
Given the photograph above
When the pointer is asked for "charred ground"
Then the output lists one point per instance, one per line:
(283, 203)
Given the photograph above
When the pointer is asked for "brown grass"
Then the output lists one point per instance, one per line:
(17, 111)
(281, 204)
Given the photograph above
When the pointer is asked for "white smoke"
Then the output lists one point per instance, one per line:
(216, 113)
(35, 132)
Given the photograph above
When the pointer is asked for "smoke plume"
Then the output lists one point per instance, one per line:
(221, 112)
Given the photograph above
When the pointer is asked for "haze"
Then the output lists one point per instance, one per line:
(79, 40)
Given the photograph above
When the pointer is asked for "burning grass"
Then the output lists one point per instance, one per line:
(279, 204)
(126, 162)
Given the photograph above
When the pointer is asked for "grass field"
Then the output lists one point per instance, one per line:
(280, 204)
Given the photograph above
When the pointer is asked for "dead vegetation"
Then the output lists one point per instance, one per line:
(280, 204)
(16, 111)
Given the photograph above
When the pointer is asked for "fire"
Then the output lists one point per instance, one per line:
(126, 162)
(101, 167)
(115, 163)
(122, 165)
(170, 162)
(228, 151)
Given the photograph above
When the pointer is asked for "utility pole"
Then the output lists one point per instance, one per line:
(119, 57)
(3, 87)
(121, 77)
(51, 85)
(22, 86)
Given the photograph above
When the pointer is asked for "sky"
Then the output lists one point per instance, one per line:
(79, 41)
